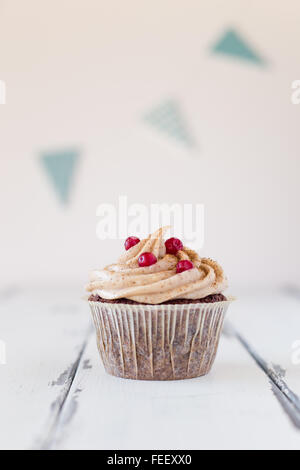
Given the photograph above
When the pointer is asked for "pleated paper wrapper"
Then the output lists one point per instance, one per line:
(158, 342)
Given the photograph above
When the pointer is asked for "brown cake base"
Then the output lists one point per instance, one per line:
(209, 299)
(171, 341)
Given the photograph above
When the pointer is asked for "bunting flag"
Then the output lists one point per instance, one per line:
(232, 44)
(168, 119)
(60, 168)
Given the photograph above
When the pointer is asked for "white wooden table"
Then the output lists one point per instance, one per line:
(56, 395)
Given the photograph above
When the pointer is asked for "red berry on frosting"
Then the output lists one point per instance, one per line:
(146, 259)
(184, 265)
(173, 245)
(131, 241)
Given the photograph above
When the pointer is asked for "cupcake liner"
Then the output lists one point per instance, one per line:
(158, 342)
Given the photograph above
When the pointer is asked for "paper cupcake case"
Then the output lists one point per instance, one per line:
(158, 342)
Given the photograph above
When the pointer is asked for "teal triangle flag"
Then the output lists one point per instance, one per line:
(168, 118)
(60, 168)
(232, 44)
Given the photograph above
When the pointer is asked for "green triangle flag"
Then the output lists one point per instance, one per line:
(168, 118)
(232, 44)
(60, 168)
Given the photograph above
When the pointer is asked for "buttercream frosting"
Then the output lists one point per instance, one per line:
(159, 282)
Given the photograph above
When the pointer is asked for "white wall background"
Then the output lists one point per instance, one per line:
(82, 72)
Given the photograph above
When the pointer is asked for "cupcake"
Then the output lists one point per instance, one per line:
(159, 311)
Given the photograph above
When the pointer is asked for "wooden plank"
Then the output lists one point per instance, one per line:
(44, 332)
(55, 393)
(231, 408)
(272, 324)
(270, 321)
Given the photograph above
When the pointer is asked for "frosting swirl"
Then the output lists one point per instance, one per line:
(159, 282)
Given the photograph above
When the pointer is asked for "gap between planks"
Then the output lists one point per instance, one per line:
(289, 401)
(45, 443)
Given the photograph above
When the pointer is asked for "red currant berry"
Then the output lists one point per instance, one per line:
(184, 265)
(131, 241)
(146, 259)
(173, 245)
